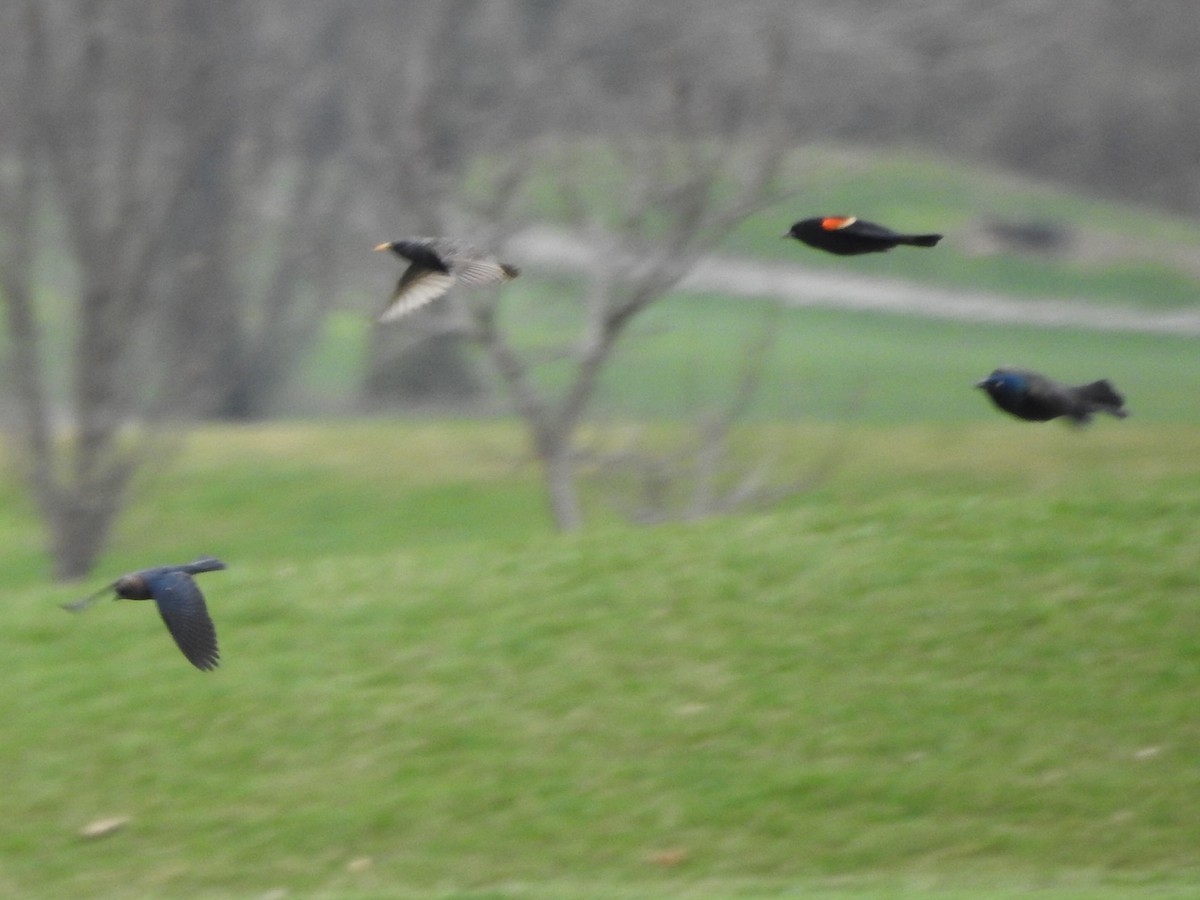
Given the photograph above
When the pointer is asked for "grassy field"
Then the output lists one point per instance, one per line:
(683, 357)
(830, 364)
(963, 666)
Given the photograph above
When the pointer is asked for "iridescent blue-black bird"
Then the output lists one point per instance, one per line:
(180, 604)
(1036, 398)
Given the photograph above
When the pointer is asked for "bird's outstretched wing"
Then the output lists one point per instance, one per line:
(481, 270)
(81, 605)
(435, 266)
(182, 608)
(416, 287)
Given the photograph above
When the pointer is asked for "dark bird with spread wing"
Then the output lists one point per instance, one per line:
(435, 266)
(179, 601)
(851, 236)
(1036, 398)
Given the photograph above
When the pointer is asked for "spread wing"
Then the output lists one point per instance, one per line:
(436, 265)
(417, 286)
(182, 608)
(480, 271)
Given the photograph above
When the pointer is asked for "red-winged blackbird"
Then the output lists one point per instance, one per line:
(850, 235)
(1036, 398)
(436, 265)
(179, 601)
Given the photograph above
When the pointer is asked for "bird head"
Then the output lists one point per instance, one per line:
(1003, 381)
(131, 587)
(798, 229)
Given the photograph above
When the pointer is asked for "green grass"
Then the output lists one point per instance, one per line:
(683, 356)
(963, 666)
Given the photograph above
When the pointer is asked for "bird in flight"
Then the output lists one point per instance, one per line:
(435, 266)
(179, 601)
(1036, 398)
(850, 235)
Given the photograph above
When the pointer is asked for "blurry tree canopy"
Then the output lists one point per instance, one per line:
(187, 190)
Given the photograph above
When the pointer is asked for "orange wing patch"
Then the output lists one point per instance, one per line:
(833, 223)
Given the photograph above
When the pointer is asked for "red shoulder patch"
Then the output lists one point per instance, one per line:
(833, 223)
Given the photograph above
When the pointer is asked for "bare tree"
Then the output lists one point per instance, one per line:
(691, 155)
(188, 154)
(278, 242)
(696, 470)
(106, 136)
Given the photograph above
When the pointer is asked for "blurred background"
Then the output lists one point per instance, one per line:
(189, 196)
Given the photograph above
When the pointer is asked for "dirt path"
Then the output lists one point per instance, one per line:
(798, 286)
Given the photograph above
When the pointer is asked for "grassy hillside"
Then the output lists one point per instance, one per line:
(965, 665)
(685, 354)
(962, 665)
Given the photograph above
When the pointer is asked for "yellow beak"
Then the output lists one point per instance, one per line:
(386, 245)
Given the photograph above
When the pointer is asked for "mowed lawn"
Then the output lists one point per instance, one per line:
(964, 665)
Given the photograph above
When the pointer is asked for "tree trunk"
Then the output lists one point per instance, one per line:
(562, 488)
(79, 529)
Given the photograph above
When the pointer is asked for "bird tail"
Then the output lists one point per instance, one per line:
(204, 564)
(1103, 395)
(922, 240)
